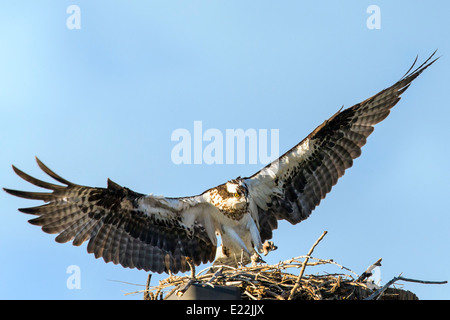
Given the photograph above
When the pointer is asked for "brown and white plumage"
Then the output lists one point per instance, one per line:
(158, 234)
(122, 226)
(293, 185)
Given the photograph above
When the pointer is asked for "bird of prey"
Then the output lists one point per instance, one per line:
(162, 234)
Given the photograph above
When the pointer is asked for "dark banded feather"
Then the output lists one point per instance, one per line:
(292, 186)
(117, 225)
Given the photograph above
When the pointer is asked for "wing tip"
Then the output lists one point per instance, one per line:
(13, 192)
(413, 73)
(52, 174)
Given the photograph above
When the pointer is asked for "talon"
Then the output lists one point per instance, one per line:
(268, 246)
(255, 258)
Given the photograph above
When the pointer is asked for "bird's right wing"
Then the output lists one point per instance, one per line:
(128, 228)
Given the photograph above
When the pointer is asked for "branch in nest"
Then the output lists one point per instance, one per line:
(377, 294)
(297, 284)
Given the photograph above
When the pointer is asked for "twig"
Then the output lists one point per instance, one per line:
(302, 270)
(181, 291)
(215, 275)
(377, 294)
(275, 295)
(171, 292)
(422, 281)
(250, 296)
(147, 288)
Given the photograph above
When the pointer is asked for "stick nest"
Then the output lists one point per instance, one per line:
(274, 282)
(268, 282)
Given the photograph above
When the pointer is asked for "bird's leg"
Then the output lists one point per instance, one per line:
(242, 258)
(256, 258)
(192, 266)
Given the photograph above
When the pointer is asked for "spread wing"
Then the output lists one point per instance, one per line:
(292, 186)
(135, 230)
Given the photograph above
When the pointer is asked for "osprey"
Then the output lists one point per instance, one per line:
(162, 234)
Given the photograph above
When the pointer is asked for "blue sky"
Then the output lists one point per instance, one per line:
(102, 101)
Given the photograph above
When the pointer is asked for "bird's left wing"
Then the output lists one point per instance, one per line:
(128, 228)
(292, 186)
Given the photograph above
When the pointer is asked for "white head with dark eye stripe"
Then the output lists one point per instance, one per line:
(230, 198)
(236, 190)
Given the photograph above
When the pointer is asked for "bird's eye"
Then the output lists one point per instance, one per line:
(236, 195)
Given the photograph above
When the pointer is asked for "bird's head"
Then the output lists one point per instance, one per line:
(230, 198)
